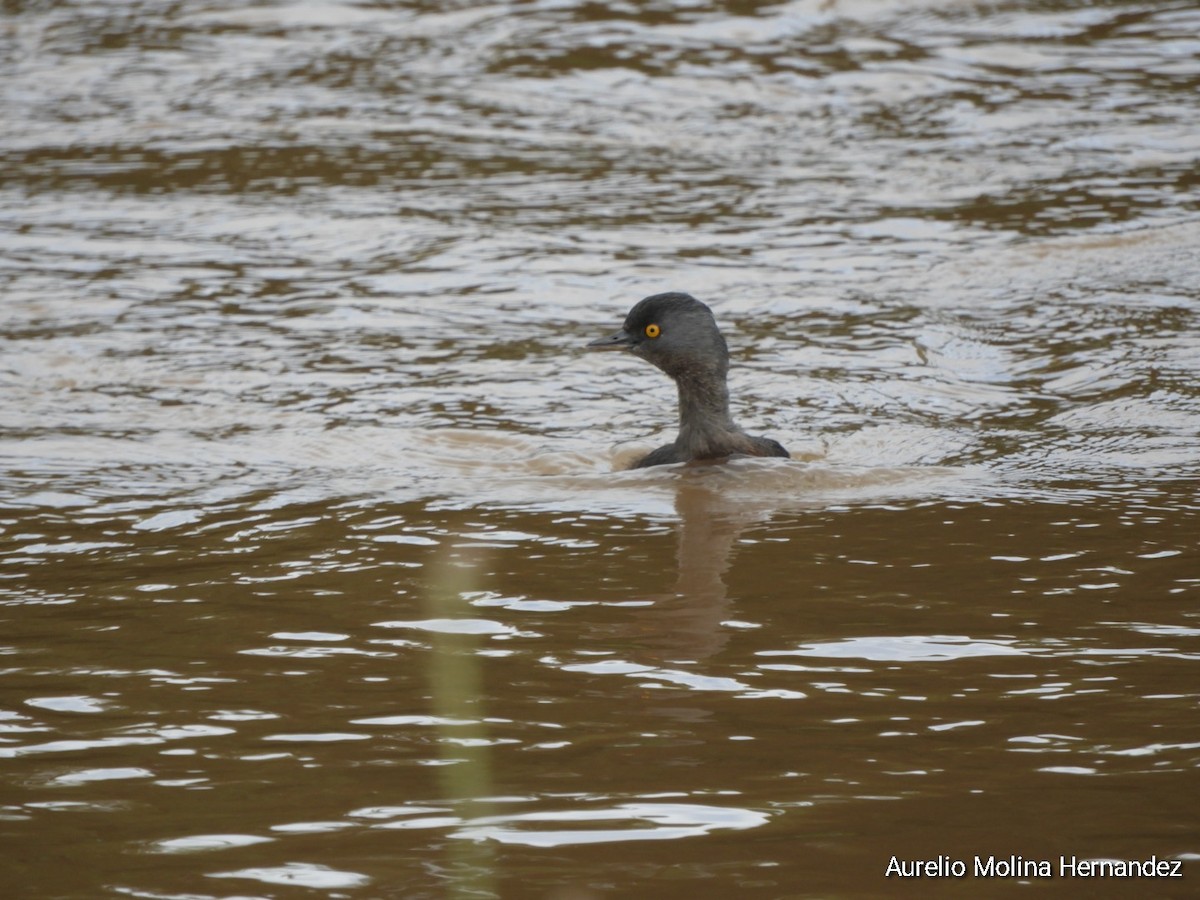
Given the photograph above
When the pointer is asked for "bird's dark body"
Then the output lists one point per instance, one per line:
(672, 453)
(678, 334)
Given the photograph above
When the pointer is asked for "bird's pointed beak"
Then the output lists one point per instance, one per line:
(620, 340)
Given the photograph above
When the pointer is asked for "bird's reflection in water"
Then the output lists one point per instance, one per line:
(686, 624)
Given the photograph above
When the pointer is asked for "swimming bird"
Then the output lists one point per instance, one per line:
(678, 334)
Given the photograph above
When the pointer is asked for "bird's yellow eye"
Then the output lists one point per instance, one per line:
(653, 331)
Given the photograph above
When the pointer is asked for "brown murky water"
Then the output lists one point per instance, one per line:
(319, 573)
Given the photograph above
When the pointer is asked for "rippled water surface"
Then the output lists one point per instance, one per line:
(320, 571)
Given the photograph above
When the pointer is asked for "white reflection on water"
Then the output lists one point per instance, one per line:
(83, 776)
(77, 704)
(309, 875)
(907, 648)
(206, 842)
(643, 821)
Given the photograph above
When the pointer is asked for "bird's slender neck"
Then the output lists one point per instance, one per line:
(705, 426)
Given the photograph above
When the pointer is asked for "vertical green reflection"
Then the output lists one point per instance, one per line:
(456, 686)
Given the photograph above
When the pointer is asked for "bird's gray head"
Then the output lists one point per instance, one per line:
(675, 332)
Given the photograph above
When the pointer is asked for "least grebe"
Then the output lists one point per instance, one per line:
(678, 334)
